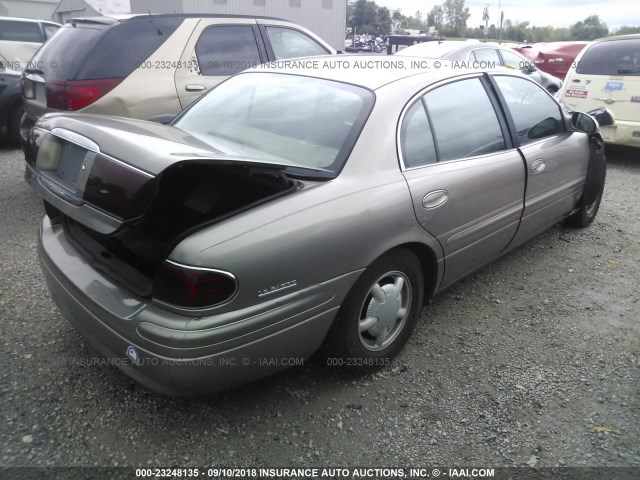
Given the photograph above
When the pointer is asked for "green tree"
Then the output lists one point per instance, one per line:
(383, 21)
(456, 16)
(435, 18)
(363, 16)
(589, 29)
(627, 30)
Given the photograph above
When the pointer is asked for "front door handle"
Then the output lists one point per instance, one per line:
(537, 166)
(195, 88)
(435, 199)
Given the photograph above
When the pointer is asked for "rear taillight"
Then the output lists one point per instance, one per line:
(78, 94)
(192, 287)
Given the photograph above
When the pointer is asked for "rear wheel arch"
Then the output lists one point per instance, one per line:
(381, 309)
(429, 265)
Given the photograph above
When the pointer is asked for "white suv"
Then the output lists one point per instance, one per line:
(607, 74)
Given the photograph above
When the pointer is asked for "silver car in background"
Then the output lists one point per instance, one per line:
(483, 55)
(303, 204)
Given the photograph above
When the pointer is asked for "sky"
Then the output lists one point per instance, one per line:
(558, 13)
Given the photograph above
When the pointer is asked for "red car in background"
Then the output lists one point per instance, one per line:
(553, 57)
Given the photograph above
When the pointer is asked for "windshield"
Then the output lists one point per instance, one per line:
(289, 119)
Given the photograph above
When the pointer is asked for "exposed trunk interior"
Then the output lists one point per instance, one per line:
(190, 196)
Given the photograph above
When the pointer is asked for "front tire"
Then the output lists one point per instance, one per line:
(587, 213)
(379, 314)
(593, 187)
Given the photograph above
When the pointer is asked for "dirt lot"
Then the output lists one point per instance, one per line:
(532, 362)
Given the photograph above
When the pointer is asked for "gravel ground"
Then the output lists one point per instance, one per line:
(531, 362)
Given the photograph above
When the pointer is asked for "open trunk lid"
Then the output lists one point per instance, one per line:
(127, 191)
(105, 171)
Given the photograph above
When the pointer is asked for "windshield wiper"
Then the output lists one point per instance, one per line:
(628, 71)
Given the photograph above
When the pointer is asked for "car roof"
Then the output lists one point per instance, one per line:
(632, 36)
(122, 18)
(437, 48)
(368, 71)
(28, 20)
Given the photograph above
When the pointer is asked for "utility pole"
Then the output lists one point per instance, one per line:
(485, 17)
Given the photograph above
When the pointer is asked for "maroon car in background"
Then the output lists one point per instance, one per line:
(554, 58)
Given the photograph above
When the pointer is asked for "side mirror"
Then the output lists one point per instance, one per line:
(603, 116)
(583, 122)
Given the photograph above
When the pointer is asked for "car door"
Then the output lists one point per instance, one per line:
(557, 160)
(217, 49)
(466, 180)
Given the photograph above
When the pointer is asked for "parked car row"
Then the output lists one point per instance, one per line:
(482, 55)
(603, 73)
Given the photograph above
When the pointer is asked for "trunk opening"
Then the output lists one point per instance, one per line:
(191, 196)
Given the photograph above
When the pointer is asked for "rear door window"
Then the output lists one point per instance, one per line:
(616, 57)
(534, 113)
(514, 61)
(290, 43)
(463, 120)
(225, 50)
(488, 56)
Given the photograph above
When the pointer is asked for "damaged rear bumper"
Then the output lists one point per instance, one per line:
(180, 355)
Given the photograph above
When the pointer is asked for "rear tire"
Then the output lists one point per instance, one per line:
(378, 315)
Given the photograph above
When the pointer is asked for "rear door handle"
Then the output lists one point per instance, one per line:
(435, 199)
(195, 88)
(537, 166)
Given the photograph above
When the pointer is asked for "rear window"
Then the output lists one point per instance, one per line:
(616, 57)
(306, 122)
(90, 51)
(20, 31)
(60, 57)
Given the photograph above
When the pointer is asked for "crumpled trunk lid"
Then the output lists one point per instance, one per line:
(127, 191)
(104, 171)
